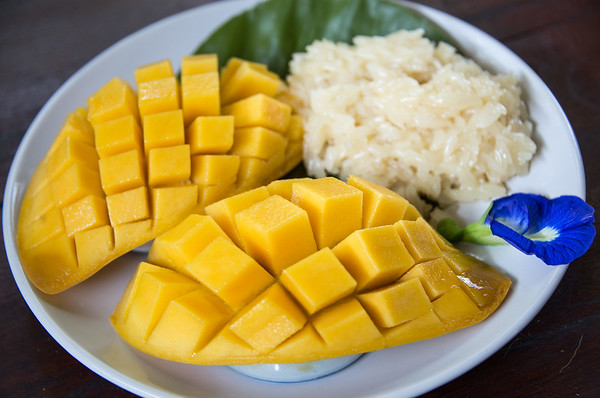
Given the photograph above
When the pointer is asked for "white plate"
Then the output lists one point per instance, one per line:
(77, 319)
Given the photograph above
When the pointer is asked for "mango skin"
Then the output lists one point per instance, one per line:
(365, 293)
(133, 164)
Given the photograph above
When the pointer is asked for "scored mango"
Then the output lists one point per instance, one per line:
(136, 162)
(302, 270)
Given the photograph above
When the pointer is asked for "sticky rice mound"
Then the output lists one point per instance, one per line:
(412, 115)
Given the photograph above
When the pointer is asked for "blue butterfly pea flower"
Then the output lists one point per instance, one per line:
(556, 230)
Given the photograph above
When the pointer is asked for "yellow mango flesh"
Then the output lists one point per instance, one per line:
(334, 208)
(245, 79)
(154, 71)
(210, 134)
(276, 297)
(381, 206)
(136, 162)
(267, 228)
(260, 110)
(200, 63)
(200, 95)
(160, 95)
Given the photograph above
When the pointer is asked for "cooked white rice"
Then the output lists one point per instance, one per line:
(410, 115)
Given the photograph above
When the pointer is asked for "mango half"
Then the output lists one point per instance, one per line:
(302, 270)
(134, 163)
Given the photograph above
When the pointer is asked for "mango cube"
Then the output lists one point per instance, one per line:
(397, 303)
(154, 71)
(200, 95)
(381, 206)
(171, 204)
(268, 320)
(260, 110)
(267, 227)
(189, 322)
(334, 208)
(88, 212)
(247, 81)
(210, 135)
(177, 248)
(122, 172)
(418, 239)
(169, 166)
(258, 142)
(114, 100)
(318, 280)
(214, 169)
(160, 95)
(163, 129)
(347, 324)
(200, 63)
(234, 63)
(374, 256)
(224, 211)
(229, 272)
(128, 206)
(118, 136)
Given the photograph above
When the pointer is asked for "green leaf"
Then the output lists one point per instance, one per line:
(273, 30)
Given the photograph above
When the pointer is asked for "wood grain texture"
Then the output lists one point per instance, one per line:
(43, 42)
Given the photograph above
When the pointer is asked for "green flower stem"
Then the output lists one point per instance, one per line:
(480, 234)
(477, 232)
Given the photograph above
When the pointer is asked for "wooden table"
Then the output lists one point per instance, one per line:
(43, 42)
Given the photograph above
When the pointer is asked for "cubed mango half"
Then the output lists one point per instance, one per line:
(284, 300)
(140, 158)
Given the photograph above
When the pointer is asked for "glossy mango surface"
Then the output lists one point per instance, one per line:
(137, 160)
(302, 270)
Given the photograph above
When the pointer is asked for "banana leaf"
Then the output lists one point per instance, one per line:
(272, 31)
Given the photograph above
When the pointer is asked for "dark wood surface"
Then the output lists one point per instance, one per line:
(43, 42)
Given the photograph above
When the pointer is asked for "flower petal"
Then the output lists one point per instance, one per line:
(517, 211)
(511, 236)
(567, 247)
(556, 230)
(563, 213)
